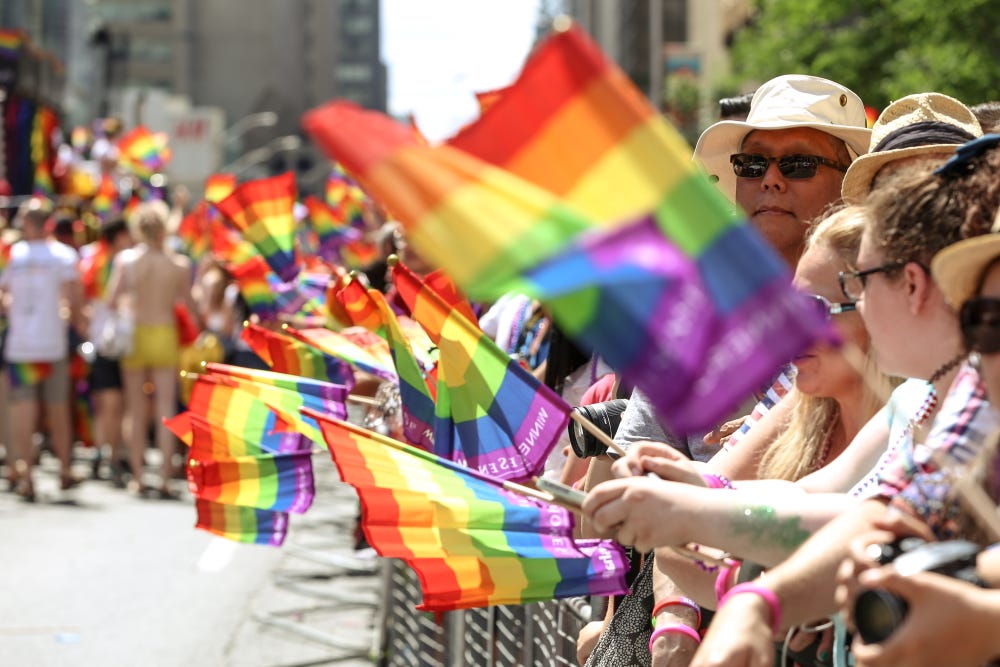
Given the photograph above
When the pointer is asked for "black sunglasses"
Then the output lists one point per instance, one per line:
(752, 165)
(980, 322)
(828, 308)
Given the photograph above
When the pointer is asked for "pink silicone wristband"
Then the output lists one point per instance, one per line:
(722, 580)
(765, 594)
(674, 627)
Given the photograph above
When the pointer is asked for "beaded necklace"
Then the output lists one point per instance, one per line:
(920, 416)
(931, 402)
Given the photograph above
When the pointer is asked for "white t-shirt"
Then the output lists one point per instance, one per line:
(33, 277)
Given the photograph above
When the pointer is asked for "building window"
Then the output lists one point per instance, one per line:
(675, 21)
(353, 73)
(358, 25)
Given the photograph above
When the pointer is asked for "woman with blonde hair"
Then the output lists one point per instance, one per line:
(147, 282)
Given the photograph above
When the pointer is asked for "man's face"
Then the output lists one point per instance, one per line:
(782, 207)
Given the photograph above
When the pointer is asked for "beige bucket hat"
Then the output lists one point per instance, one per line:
(792, 100)
(959, 268)
(921, 124)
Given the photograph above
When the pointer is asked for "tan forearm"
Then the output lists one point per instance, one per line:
(805, 582)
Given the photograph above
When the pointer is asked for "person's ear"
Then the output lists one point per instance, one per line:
(919, 285)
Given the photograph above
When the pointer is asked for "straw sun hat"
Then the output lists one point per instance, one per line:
(921, 124)
(789, 101)
(958, 269)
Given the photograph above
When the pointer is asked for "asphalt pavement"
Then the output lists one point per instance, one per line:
(98, 577)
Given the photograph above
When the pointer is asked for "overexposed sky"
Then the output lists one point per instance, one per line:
(439, 52)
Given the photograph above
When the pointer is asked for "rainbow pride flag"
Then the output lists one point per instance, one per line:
(245, 408)
(252, 278)
(144, 152)
(442, 284)
(11, 40)
(326, 391)
(303, 298)
(487, 98)
(430, 188)
(27, 373)
(372, 357)
(43, 127)
(231, 248)
(415, 396)
(428, 511)
(574, 124)
(242, 524)
(331, 230)
(278, 482)
(95, 270)
(491, 413)
(341, 189)
(219, 186)
(356, 306)
(43, 185)
(106, 200)
(675, 295)
(194, 232)
(263, 210)
(285, 353)
(253, 437)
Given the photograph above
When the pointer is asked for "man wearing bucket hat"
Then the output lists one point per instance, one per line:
(925, 124)
(784, 164)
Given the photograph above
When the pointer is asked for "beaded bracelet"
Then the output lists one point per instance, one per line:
(766, 594)
(673, 627)
(676, 601)
(724, 580)
(717, 481)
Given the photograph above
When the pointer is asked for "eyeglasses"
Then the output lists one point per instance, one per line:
(827, 309)
(853, 283)
(979, 319)
(753, 165)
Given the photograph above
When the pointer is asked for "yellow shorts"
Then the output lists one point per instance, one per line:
(155, 346)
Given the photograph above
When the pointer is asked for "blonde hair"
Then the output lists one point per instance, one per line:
(802, 445)
(149, 221)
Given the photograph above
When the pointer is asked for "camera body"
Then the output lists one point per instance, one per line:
(877, 613)
(606, 416)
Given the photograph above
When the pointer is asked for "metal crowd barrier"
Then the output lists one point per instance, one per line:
(541, 634)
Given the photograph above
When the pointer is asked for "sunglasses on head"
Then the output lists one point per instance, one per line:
(980, 322)
(753, 165)
(828, 308)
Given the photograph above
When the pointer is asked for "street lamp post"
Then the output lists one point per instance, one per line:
(232, 140)
(259, 155)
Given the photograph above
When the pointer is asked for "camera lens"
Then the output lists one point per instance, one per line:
(606, 416)
(877, 614)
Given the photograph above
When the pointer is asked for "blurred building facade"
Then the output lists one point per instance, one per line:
(245, 57)
(676, 51)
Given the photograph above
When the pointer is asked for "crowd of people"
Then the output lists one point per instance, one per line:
(776, 538)
(753, 543)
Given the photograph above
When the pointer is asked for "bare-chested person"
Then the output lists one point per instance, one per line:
(147, 282)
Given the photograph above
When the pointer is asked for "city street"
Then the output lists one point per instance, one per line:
(99, 577)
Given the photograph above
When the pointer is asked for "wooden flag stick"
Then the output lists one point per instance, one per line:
(540, 495)
(364, 400)
(698, 556)
(592, 429)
